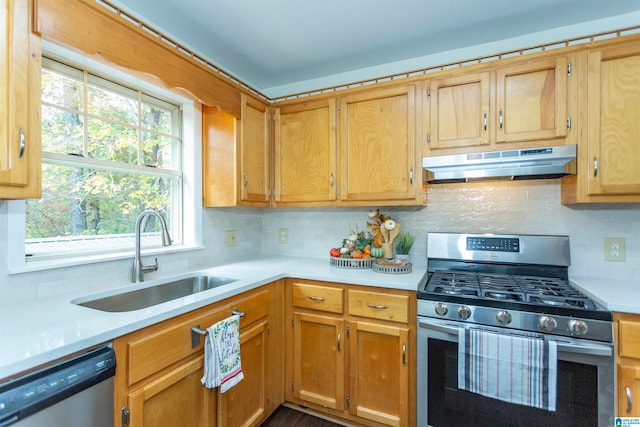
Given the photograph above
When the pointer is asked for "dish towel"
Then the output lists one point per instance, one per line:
(513, 369)
(222, 367)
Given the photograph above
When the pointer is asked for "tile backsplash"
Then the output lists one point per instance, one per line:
(524, 207)
(531, 207)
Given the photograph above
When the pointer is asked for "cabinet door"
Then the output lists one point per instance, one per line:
(177, 398)
(19, 103)
(254, 151)
(244, 404)
(628, 390)
(614, 120)
(377, 145)
(531, 101)
(379, 373)
(305, 152)
(318, 360)
(459, 111)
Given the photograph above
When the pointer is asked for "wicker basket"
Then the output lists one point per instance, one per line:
(352, 263)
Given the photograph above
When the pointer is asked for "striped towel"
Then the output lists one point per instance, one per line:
(513, 369)
(222, 367)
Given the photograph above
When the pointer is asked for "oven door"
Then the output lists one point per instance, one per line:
(585, 387)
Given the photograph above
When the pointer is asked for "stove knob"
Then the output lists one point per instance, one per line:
(577, 327)
(464, 312)
(503, 317)
(547, 323)
(441, 309)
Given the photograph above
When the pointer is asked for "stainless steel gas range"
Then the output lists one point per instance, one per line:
(513, 286)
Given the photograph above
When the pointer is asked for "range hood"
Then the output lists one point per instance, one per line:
(530, 163)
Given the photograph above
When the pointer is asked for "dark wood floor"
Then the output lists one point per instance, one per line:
(287, 417)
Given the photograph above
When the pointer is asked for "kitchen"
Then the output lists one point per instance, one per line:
(530, 207)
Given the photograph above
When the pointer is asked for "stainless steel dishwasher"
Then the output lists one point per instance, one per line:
(74, 392)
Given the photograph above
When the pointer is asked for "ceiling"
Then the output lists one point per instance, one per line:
(271, 43)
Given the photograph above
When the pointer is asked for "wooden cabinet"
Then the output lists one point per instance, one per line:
(377, 147)
(609, 154)
(521, 103)
(305, 152)
(236, 156)
(159, 368)
(349, 351)
(457, 111)
(627, 327)
(20, 154)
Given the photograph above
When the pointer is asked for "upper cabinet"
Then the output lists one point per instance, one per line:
(377, 147)
(457, 109)
(20, 153)
(609, 154)
(305, 153)
(518, 105)
(254, 151)
(531, 100)
(236, 156)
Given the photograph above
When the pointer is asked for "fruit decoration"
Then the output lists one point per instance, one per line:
(376, 243)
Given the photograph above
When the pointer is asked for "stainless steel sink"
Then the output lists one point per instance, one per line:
(153, 295)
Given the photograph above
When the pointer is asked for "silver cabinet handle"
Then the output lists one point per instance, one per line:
(23, 143)
(246, 178)
(404, 354)
(380, 307)
(339, 339)
(484, 121)
(411, 176)
(595, 167)
(331, 180)
(315, 298)
(629, 399)
(501, 119)
(238, 313)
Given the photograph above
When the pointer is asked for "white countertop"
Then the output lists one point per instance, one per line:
(46, 329)
(616, 295)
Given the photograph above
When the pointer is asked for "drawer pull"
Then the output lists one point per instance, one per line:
(237, 313)
(379, 307)
(312, 298)
(629, 399)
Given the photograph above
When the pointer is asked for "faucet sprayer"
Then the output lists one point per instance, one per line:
(138, 270)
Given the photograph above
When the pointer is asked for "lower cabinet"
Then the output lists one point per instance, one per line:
(627, 327)
(349, 352)
(159, 368)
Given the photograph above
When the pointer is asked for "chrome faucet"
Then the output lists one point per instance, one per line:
(137, 273)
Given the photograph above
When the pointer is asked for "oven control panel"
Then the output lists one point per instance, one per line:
(496, 244)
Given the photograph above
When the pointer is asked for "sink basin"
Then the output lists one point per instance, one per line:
(153, 295)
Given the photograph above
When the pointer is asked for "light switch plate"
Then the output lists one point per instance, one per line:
(614, 249)
(230, 238)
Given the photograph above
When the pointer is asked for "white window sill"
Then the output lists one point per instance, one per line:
(72, 261)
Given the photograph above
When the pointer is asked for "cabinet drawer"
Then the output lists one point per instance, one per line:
(165, 345)
(316, 297)
(378, 305)
(629, 339)
(254, 307)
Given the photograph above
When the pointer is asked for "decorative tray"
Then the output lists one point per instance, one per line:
(391, 266)
(353, 263)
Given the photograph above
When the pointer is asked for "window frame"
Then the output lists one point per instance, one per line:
(190, 212)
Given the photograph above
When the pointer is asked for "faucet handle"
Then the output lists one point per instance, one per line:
(151, 267)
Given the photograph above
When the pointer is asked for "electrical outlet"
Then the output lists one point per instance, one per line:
(283, 236)
(614, 249)
(230, 238)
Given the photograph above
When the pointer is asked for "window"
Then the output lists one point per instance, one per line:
(109, 152)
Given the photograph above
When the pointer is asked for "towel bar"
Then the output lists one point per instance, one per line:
(196, 329)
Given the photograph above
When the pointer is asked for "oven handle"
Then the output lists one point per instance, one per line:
(586, 349)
